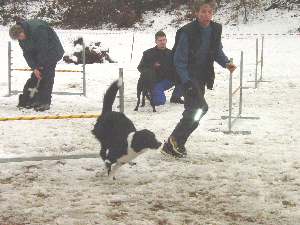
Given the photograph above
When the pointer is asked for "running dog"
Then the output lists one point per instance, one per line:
(119, 139)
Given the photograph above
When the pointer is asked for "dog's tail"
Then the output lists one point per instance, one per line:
(110, 95)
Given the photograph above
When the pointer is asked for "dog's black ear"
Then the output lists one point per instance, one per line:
(144, 139)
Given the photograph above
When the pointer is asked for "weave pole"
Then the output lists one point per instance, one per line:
(121, 90)
(256, 63)
(132, 46)
(57, 117)
(83, 70)
(230, 99)
(262, 58)
(9, 68)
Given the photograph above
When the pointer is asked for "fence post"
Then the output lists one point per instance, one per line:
(230, 99)
(262, 57)
(9, 68)
(121, 90)
(241, 83)
(256, 63)
(83, 70)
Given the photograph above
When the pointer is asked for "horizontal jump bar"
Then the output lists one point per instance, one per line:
(44, 158)
(56, 93)
(241, 117)
(62, 71)
(50, 117)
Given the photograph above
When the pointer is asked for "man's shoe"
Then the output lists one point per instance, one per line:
(171, 148)
(176, 100)
(42, 107)
(26, 106)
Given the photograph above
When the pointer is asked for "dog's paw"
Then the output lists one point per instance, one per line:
(100, 173)
(132, 163)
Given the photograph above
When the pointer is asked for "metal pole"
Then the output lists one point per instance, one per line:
(230, 99)
(121, 90)
(9, 68)
(256, 62)
(83, 70)
(262, 57)
(132, 47)
(241, 83)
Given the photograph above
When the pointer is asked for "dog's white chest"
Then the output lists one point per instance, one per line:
(131, 154)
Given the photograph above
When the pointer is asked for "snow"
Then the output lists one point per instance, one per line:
(226, 179)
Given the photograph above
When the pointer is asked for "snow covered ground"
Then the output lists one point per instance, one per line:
(226, 179)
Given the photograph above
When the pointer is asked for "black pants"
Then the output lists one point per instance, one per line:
(195, 107)
(46, 84)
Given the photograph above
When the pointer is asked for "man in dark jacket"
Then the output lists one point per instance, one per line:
(157, 62)
(42, 50)
(198, 45)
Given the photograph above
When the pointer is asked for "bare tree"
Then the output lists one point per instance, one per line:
(244, 5)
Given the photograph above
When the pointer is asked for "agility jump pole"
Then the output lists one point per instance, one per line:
(83, 71)
(259, 61)
(57, 117)
(233, 119)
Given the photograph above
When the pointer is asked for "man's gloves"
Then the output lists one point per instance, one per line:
(37, 74)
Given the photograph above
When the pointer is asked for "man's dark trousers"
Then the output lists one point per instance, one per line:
(46, 84)
(195, 107)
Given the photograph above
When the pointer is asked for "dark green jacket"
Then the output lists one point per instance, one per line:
(163, 57)
(42, 46)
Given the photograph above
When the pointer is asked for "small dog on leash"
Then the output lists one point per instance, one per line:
(119, 139)
(28, 97)
(145, 86)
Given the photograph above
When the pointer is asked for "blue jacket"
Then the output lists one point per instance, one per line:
(196, 50)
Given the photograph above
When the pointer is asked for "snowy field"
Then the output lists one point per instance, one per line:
(226, 179)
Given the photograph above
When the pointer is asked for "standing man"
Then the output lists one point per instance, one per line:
(158, 63)
(198, 45)
(42, 50)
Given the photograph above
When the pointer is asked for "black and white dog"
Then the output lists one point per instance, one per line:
(119, 139)
(27, 98)
(145, 86)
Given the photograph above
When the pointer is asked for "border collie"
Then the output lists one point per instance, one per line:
(119, 139)
(27, 98)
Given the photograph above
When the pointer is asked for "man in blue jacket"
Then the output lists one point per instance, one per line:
(42, 50)
(198, 45)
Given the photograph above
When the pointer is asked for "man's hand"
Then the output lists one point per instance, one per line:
(231, 67)
(156, 65)
(37, 74)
